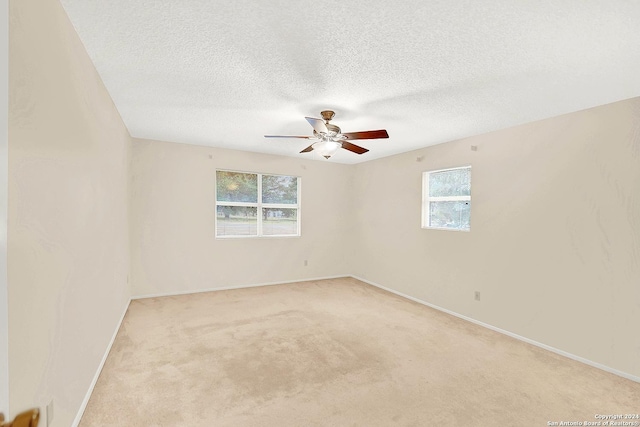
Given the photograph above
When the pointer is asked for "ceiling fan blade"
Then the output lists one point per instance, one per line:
(318, 125)
(369, 134)
(287, 136)
(353, 147)
(309, 148)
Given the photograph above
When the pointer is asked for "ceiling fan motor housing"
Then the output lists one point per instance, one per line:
(333, 129)
(333, 132)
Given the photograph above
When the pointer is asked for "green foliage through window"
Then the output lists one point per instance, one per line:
(279, 189)
(236, 187)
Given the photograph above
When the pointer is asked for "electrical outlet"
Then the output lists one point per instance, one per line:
(50, 413)
(477, 295)
(306, 263)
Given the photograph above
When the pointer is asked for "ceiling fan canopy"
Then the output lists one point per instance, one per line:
(330, 137)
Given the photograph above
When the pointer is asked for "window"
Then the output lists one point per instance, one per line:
(446, 199)
(255, 205)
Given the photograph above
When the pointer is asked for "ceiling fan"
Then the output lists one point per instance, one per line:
(330, 137)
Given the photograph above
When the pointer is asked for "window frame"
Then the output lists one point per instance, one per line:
(426, 200)
(259, 205)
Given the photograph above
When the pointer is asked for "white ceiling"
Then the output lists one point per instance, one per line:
(224, 73)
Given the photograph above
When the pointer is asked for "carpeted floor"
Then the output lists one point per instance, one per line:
(334, 353)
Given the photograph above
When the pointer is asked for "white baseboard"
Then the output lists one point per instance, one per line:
(510, 334)
(224, 288)
(76, 422)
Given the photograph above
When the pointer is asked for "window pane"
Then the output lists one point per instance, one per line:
(279, 221)
(279, 189)
(236, 187)
(455, 182)
(449, 215)
(237, 221)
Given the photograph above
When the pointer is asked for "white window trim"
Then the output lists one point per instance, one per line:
(259, 205)
(426, 200)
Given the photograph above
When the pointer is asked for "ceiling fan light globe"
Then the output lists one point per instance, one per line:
(326, 148)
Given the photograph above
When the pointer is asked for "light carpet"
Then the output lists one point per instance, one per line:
(334, 353)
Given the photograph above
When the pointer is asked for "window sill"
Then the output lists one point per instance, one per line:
(255, 237)
(447, 229)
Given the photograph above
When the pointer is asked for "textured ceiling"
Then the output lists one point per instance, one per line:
(224, 73)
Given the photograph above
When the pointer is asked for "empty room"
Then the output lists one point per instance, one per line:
(320, 214)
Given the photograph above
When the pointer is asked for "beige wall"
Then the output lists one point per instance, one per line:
(68, 249)
(4, 199)
(554, 246)
(173, 244)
